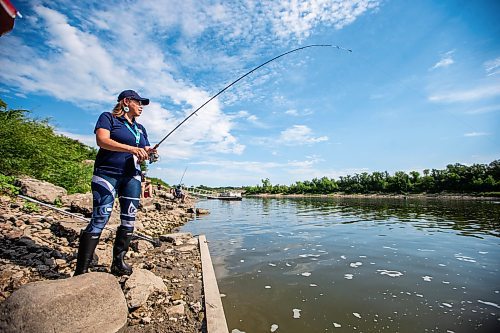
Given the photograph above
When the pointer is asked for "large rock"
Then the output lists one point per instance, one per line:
(141, 246)
(70, 229)
(140, 285)
(92, 302)
(40, 190)
(201, 211)
(79, 203)
(177, 238)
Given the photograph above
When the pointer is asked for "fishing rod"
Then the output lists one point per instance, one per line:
(180, 182)
(153, 241)
(154, 158)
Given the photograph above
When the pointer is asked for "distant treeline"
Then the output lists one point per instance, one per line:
(456, 178)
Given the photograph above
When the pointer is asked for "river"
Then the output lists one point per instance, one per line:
(352, 265)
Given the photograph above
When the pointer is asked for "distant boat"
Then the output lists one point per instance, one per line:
(228, 196)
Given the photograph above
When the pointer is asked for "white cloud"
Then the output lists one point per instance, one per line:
(297, 113)
(492, 67)
(479, 93)
(474, 134)
(88, 54)
(248, 117)
(445, 61)
(485, 109)
(89, 140)
(299, 134)
(291, 17)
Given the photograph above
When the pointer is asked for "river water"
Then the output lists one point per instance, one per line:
(351, 265)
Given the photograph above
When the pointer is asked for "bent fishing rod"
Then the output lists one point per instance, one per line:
(240, 78)
(136, 235)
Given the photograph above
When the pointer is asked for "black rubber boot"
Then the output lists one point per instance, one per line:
(86, 248)
(120, 248)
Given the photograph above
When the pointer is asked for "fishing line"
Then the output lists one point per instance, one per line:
(240, 78)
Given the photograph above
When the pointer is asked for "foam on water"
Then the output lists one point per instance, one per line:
(355, 264)
(489, 303)
(427, 278)
(357, 315)
(274, 327)
(389, 248)
(308, 255)
(461, 257)
(348, 276)
(389, 273)
(306, 274)
(313, 285)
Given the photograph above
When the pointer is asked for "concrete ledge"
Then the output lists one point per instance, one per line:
(216, 320)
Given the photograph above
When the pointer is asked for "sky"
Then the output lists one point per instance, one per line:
(420, 90)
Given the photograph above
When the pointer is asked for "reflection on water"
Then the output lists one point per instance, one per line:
(320, 265)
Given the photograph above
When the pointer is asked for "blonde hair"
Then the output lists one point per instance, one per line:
(118, 109)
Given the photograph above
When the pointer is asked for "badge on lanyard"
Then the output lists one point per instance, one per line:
(135, 132)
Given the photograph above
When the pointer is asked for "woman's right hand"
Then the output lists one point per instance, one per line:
(140, 153)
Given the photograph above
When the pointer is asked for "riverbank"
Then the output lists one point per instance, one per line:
(38, 244)
(439, 196)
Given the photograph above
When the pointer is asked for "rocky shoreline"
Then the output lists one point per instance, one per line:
(40, 244)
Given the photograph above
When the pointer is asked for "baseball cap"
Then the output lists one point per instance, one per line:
(132, 95)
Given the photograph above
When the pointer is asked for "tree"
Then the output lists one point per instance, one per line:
(30, 147)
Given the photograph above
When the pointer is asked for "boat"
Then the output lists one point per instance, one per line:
(228, 196)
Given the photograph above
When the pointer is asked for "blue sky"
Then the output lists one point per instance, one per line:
(421, 88)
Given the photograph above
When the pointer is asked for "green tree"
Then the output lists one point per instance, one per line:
(30, 147)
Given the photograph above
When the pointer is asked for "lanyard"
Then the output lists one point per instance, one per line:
(135, 132)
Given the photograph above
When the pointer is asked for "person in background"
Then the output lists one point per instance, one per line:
(179, 193)
(148, 189)
(123, 145)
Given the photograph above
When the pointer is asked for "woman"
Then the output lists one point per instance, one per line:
(123, 145)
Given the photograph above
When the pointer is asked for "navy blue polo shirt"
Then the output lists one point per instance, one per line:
(113, 162)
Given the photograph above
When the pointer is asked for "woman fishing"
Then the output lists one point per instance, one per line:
(123, 145)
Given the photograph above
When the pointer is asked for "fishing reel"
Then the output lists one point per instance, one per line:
(153, 157)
